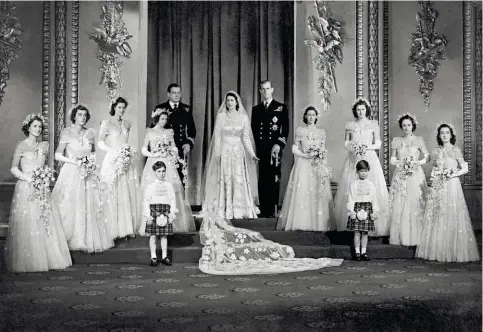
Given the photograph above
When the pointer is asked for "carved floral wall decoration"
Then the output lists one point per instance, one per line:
(427, 49)
(10, 43)
(327, 39)
(111, 37)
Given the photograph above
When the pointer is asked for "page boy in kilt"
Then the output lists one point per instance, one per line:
(363, 209)
(159, 211)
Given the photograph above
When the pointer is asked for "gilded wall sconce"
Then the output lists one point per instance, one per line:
(111, 37)
(327, 39)
(427, 49)
(10, 43)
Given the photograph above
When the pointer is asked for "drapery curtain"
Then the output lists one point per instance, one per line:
(212, 47)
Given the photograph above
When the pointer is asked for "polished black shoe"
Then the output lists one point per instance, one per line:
(365, 257)
(154, 262)
(166, 261)
(357, 257)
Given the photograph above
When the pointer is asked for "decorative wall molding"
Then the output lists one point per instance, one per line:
(359, 48)
(60, 71)
(46, 70)
(373, 56)
(467, 72)
(478, 94)
(385, 90)
(75, 54)
(10, 43)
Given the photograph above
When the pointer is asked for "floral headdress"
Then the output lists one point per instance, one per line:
(158, 111)
(449, 124)
(409, 115)
(359, 99)
(30, 117)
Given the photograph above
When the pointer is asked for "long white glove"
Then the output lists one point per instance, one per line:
(60, 157)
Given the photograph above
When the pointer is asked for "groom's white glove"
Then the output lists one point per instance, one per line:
(186, 149)
(275, 150)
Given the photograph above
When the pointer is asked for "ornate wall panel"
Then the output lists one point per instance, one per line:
(359, 49)
(385, 89)
(60, 70)
(46, 70)
(478, 96)
(373, 56)
(467, 70)
(75, 54)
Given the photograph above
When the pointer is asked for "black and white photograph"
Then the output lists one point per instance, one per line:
(241, 166)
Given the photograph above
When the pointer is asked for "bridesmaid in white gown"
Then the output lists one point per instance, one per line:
(408, 188)
(447, 234)
(230, 191)
(36, 241)
(158, 143)
(231, 186)
(308, 201)
(79, 202)
(366, 132)
(123, 189)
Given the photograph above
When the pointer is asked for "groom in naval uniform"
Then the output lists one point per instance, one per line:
(180, 119)
(270, 127)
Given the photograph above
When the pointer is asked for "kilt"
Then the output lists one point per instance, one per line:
(362, 225)
(153, 229)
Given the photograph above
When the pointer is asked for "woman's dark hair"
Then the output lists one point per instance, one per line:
(26, 126)
(79, 107)
(361, 102)
(407, 117)
(452, 140)
(362, 165)
(310, 108)
(236, 99)
(119, 100)
(157, 117)
(159, 164)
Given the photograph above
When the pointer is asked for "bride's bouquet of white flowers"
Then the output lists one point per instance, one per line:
(124, 159)
(87, 165)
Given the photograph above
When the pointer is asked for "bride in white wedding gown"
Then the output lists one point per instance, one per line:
(228, 250)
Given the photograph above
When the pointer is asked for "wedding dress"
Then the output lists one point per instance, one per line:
(228, 250)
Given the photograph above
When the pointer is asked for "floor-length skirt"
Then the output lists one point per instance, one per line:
(123, 198)
(308, 203)
(80, 206)
(184, 221)
(408, 200)
(36, 241)
(376, 175)
(447, 234)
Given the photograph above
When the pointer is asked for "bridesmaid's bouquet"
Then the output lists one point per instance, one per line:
(439, 176)
(442, 174)
(359, 149)
(409, 166)
(40, 185)
(40, 181)
(164, 146)
(87, 166)
(319, 160)
(124, 159)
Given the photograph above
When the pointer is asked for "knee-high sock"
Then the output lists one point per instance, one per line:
(364, 239)
(164, 247)
(152, 245)
(357, 242)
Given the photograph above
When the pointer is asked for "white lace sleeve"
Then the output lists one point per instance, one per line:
(246, 137)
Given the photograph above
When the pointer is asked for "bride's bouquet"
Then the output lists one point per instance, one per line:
(87, 166)
(124, 159)
(359, 149)
(409, 166)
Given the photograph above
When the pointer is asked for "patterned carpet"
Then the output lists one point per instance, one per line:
(380, 295)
